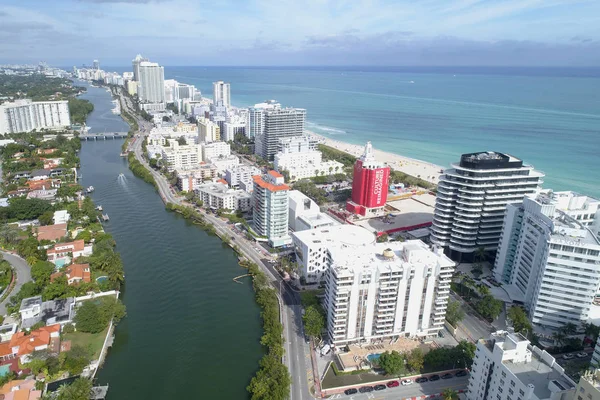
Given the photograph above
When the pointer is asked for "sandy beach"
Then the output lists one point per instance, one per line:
(420, 169)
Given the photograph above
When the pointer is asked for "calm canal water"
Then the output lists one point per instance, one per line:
(190, 331)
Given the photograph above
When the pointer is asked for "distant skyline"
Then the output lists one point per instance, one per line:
(309, 32)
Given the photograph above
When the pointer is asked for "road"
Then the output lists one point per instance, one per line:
(472, 327)
(297, 354)
(410, 391)
(23, 271)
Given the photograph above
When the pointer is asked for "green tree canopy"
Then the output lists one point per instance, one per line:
(519, 319)
(392, 363)
(314, 321)
(454, 313)
(489, 307)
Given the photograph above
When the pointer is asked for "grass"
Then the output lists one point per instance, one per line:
(332, 379)
(91, 341)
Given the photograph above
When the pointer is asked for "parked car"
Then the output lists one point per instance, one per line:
(379, 387)
(406, 382)
(350, 391)
(366, 389)
(434, 378)
(461, 373)
(447, 376)
(421, 380)
(392, 384)
(582, 354)
(568, 356)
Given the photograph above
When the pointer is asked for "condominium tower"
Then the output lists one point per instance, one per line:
(270, 216)
(277, 123)
(386, 290)
(152, 83)
(136, 66)
(549, 260)
(26, 115)
(221, 94)
(472, 197)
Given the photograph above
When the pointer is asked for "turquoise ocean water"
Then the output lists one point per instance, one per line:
(548, 117)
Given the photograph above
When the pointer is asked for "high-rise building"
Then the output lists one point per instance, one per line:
(96, 65)
(151, 87)
(221, 94)
(299, 157)
(472, 197)
(136, 66)
(208, 131)
(549, 260)
(589, 386)
(255, 123)
(386, 290)
(270, 216)
(507, 367)
(277, 123)
(369, 185)
(26, 115)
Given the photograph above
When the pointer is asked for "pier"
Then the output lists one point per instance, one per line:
(103, 136)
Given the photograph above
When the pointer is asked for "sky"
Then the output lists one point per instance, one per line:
(302, 32)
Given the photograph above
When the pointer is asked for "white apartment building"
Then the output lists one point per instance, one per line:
(507, 367)
(222, 93)
(386, 290)
(170, 85)
(312, 247)
(584, 209)
(215, 150)
(190, 180)
(151, 88)
(26, 115)
(218, 195)
(178, 157)
(233, 126)
(306, 214)
(596, 355)
(549, 261)
(223, 163)
(255, 122)
(131, 87)
(270, 204)
(278, 123)
(208, 131)
(136, 66)
(472, 197)
(241, 173)
(589, 386)
(298, 156)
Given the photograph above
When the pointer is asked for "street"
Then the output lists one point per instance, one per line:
(23, 274)
(471, 327)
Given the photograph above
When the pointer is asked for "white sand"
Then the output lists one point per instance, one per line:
(420, 169)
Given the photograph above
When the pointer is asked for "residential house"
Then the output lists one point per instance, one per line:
(40, 174)
(33, 310)
(43, 194)
(21, 345)
(50, 163)
(21, 174)
(75, 273)
(46, 151)
(51, 232)
(61, 217)
(6, 331)
(43, 184)
(20, 390)
(20, 192)
(64, 251)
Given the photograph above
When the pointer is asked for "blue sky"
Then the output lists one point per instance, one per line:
(302, 32)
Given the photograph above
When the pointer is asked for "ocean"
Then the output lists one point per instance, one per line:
(549, 117)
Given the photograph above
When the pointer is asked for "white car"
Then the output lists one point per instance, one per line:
(406, 382)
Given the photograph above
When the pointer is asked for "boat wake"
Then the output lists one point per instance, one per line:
(327, 129)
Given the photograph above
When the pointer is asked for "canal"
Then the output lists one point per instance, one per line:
(190, 331)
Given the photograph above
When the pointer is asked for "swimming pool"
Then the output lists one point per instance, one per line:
(101, 278)
(373, 358)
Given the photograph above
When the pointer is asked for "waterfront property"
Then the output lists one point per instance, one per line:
(26, 115)
(270, 210)
(217, 195)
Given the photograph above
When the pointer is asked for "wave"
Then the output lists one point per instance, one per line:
(324, 128)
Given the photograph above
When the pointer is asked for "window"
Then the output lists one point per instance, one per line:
(521, 392)
(512, 383)
(503, 374)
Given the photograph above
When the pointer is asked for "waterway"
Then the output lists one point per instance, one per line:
(190, 331)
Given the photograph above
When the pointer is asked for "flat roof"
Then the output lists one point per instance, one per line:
(407, 214)
(538, 374)
(348, 235)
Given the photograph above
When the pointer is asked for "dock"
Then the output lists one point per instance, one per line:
(99, 392)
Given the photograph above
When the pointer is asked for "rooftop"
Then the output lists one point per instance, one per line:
(489, 160)
(30, 302)
(258, 180)
(539, 374)
(343, 235)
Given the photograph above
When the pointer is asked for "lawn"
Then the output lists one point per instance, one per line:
(91, 341)
(332, 380)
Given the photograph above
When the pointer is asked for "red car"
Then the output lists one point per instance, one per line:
(391, 384)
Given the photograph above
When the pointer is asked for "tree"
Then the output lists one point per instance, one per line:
(592, 331)
(89, 318)
(41, 271)
(415, 360)
(47, 218)
(454, 313)
(392, 363)
(29, 248)
(314, 321)
(383, 238)
(519, 319)
(489, 307)
(569, 329)
(181, 141)
(450, 394)
(80, 389)
(483, 289)
(75, 360)
(463, 353)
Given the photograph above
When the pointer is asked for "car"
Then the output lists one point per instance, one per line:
(461, 373)
(350, 391)
(366, 389)
(434, 378)
(582, 354)
(406, 382)
(447, 376)
(392, 384)
(568, 356)
(379, 387)
(421, 380)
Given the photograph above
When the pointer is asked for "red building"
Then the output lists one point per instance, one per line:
(369, 185)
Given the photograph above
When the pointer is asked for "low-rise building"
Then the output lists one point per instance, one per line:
(300, 158)
(208, 131)
(220, 196)
(589, 386)
(61, 217)
(241, 173)
(65, 252)
(386, 290)
(188, 181)
(306, 214)
(215, 150)
(21, 344)
(225, 162)
(75, 273)
(181, 157)
(50, 232)
(34, 310)
(507, 367)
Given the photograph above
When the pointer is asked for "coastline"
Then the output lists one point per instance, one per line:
(417, 168)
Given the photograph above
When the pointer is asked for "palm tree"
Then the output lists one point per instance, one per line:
(450, 394)
(483, 289)
(559, 337)
(480, 255)
(569, 329)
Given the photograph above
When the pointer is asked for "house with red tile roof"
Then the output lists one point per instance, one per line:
(75, 273)
(51, 232)
(22, 345)
(20, 389)
(46, 151)
(62, 251)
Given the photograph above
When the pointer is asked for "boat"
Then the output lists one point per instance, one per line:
(99, 208)
(121, 175)
(90, 189)
(105, 217)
